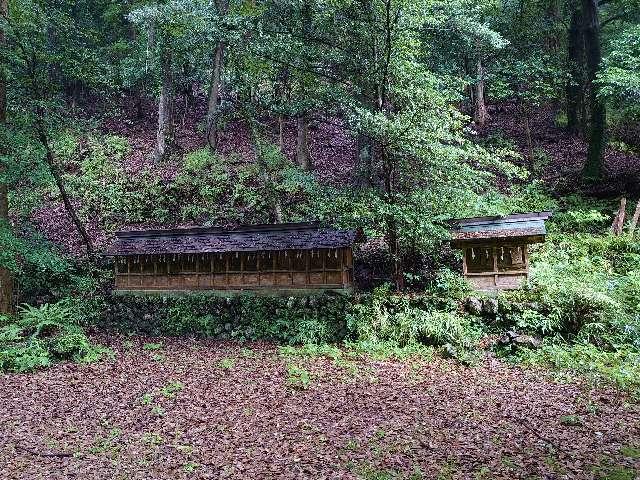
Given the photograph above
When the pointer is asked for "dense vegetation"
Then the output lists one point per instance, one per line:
(390, 115)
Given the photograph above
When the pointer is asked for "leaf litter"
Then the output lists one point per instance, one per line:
(209, 410)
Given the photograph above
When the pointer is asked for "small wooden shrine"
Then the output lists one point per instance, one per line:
(495, 248)
(258, 257)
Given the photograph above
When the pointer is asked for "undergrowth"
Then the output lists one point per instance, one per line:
(39, 337)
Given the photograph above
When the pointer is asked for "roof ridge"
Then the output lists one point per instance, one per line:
(513, 217)
(202, 230)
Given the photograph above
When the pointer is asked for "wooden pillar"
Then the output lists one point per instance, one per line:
(290, 265)
(258, 272)
(494, 249)
(464, 261)
(226, 269)
(323, 255)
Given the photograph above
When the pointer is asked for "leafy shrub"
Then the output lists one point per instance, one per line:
(582, 287)
(298, 377)
(43, 335)
(292, 320)
(202, 184)
(404, 320)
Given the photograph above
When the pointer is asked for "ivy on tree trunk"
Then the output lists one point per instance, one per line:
(165, 133)
(597, 130)
(6, 278)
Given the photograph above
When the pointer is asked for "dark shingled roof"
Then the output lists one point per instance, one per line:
(521, 225)
(246, 238)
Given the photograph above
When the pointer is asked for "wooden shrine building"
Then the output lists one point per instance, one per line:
(258, 257)
(495, 248)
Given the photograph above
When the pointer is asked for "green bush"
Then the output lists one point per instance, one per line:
(292, 320)
(582, 287)
(40, 336)
(202, 185)
(405, 320)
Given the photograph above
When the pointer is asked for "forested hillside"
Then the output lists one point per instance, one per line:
(386, 118)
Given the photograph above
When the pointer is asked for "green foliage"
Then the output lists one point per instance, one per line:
(571, 420)
(208, 188)
(202, 185)
(619, 79)
(311, 350)
(298, 377)
(41, 336)
(106, 189)
(227, 363)
(403, 320)
(581, 286)
(383, 350)
(315, 319)
(171, 389)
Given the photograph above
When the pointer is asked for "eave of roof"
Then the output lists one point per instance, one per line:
(525, 226)
(515, 217)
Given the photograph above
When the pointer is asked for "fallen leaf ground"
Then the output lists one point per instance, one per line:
(181, 408)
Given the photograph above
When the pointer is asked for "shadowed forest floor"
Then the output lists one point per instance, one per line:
(181, 408)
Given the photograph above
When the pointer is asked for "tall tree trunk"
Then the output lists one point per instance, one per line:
(276, 205)
(42, 136)
(575, 82)
(281, 132)
(6, 278)
(165, 133)
(391, 224)
(480, 112)
(283, 95)
(302, 143)
(634, 219)
(553, 16)
(618, 222)
(364, 160)
(597, 129)
(213, 111)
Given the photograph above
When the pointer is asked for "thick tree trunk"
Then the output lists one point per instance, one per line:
(597, 130)
(364, 160)
(302, 143)
(276, 205)
(213, 111)
(283, 95)
(575, 82)
(480, 112)
(165, 133)
(42, 136)
(6, 278)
